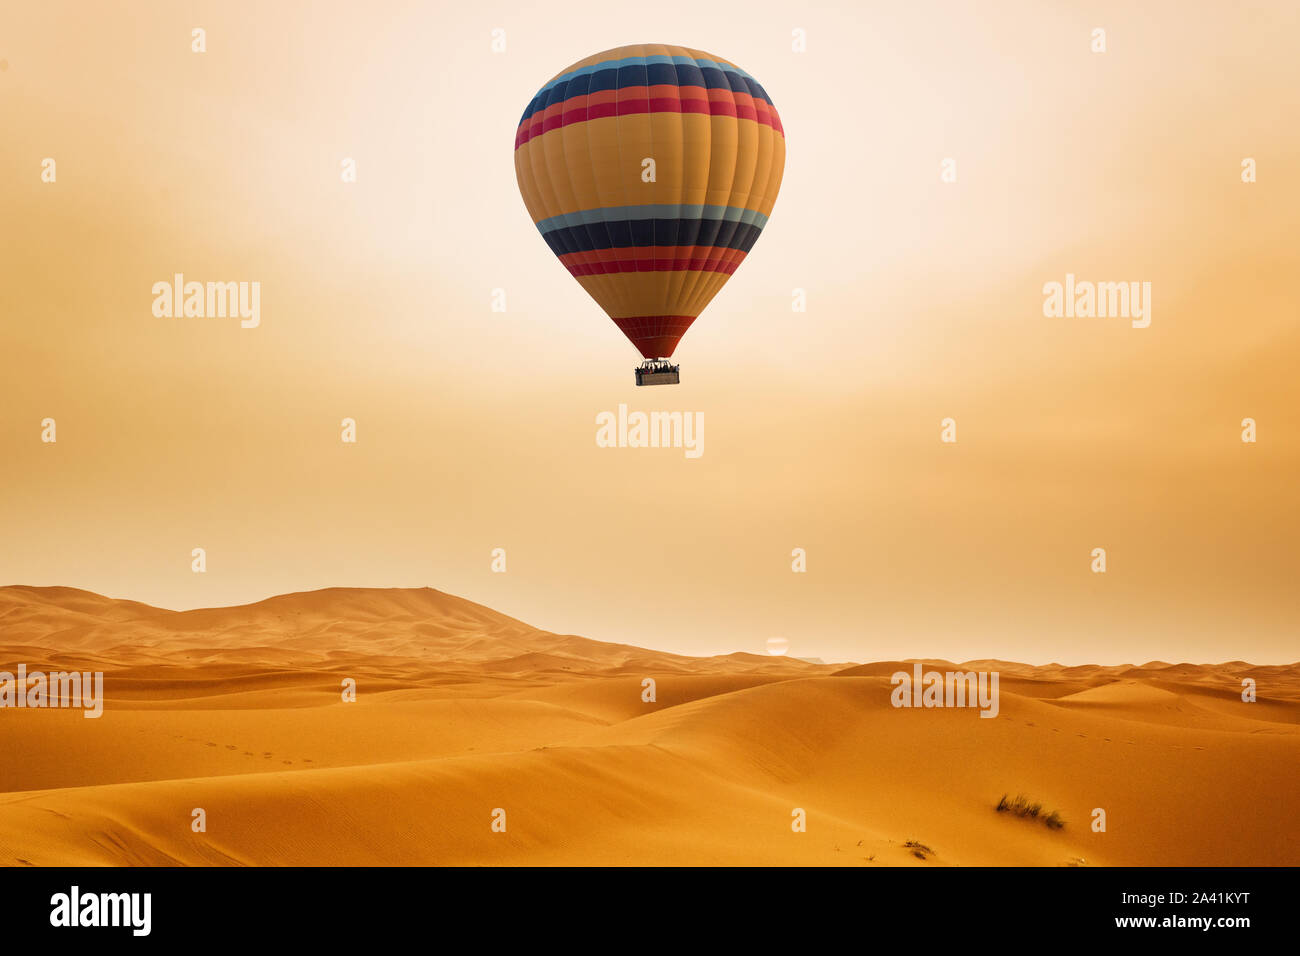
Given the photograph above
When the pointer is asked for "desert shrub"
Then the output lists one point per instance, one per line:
(1020, 806)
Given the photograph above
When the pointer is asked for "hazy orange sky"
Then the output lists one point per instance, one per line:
(822, 428)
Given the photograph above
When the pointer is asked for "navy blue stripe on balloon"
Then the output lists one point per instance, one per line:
(624, 233)
(652, 74)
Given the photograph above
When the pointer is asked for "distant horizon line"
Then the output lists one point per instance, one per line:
(792, 657)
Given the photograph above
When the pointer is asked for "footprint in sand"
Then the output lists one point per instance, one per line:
(919, 850)
(1107, 739)
(286, 761)
(231, 747)
(211, 744)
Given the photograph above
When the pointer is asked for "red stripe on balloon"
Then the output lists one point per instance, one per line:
(655, 336)
(633, 100)
(652, 254)
(665, 259)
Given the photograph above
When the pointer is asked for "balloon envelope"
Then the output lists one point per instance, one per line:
(650, 170)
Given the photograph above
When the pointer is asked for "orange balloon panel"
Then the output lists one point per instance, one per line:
(650, 171)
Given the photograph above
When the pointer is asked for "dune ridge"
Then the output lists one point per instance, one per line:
(462, 710)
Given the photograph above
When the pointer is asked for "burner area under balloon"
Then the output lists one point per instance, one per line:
(658, 372)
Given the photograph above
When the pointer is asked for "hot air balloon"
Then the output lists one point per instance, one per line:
(650, 170)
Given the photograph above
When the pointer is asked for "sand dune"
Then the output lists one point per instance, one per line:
(461, 710)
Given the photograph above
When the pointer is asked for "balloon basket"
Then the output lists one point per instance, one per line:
(658, 372)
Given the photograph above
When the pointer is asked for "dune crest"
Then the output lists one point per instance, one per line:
(461, 710)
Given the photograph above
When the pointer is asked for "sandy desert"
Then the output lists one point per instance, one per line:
(461, 711)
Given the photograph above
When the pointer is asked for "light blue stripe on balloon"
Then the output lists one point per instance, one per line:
(590, 217)
(642, 61)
